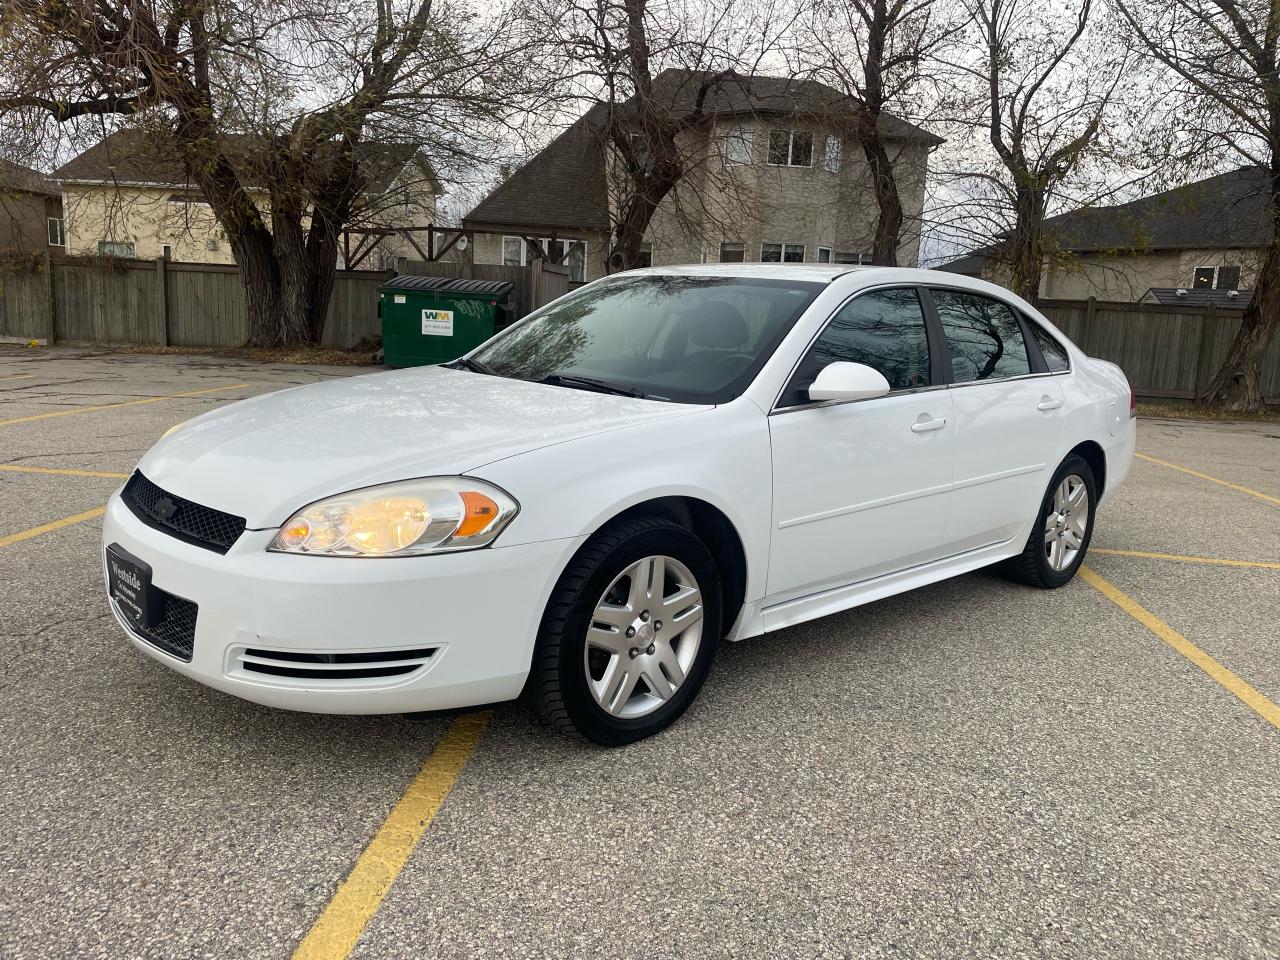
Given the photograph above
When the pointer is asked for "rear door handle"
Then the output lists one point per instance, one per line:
(924, 426)
(1048, 403)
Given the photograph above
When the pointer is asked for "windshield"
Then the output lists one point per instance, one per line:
(688, 339)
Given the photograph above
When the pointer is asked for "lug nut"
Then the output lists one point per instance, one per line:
(635, 652)
(631, 632)
(644, 614)
(650, 650)
(657, 625)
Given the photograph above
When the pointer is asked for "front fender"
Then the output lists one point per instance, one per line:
(720, 456)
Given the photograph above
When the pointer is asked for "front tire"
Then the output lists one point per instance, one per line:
(1062, 531)
(628, 636)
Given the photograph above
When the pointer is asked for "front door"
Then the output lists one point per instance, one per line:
(860, 487)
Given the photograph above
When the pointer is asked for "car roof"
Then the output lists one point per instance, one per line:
(811, 272)
(826, 273)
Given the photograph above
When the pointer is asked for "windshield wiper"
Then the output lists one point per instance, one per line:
(589, 383)
(475, 366)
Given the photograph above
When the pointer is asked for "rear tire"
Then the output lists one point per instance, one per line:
(1062, 531)
(607, 666)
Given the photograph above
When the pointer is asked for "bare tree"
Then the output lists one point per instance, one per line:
(883, 54)
(1045, 85)
(656, 71)
(1221, 61)
(270, 107)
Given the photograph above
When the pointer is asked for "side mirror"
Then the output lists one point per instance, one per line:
(848, 381)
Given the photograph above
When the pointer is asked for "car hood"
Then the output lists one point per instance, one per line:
(266, 457)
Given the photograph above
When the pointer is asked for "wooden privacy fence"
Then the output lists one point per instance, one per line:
(164, 303)
(160, 303)
(1167, 352)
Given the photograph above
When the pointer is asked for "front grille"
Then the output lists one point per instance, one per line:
(334, 666)
(202, 526)
(175, 633)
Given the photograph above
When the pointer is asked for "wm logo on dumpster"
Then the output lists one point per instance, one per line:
(437, 323)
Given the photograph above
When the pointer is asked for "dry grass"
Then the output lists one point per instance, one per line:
(1178, 411)
(295, 355)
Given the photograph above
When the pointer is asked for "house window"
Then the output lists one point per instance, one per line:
(733, 252)
(167, 252)
(115, 248)
(573, 253)
(782, 253)
(790, 148)
(824, 254)
(848, 256)
(645, 259)
(56, 237)
(831, 155)
(737, 145)
(1216, 278)
(212, 245)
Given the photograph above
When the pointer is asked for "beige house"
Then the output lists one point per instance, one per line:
(1206, 239)
(122, 199)
(776, 177)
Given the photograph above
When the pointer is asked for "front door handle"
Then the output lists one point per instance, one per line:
(924, 424)
(1049, 403)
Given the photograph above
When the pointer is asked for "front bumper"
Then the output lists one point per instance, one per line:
(476, 612)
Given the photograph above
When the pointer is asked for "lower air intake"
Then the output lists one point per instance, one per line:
(367, 665)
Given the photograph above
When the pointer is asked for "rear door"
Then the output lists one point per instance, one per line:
(859, 487)
(1008, 419)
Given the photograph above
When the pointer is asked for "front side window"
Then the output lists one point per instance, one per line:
(782, 253)
(790, 148)
(884, 329)
(681, 338)
(983, 336)
(1054, 353)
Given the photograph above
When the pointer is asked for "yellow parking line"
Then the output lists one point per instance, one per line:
(1251, 698)
(1214, 561)
(12, 538)
(116, 406)
(335, 932)
(19, 376)
(63, 473)
(1204, 476)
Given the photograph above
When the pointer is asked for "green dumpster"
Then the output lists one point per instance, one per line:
(437, 319)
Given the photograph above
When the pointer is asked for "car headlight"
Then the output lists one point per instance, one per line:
(403, 519)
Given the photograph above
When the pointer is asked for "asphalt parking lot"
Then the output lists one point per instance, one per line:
(976, 769)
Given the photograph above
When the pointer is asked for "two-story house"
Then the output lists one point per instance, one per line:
(775, 175)
(126, 197)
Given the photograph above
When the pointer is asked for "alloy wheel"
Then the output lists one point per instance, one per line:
(1066, 523)
(643, 638)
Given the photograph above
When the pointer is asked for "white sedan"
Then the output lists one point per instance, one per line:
(582, 508)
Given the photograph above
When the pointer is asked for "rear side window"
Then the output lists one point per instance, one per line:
(1054, 353)
(884, 329)
(983, 335)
